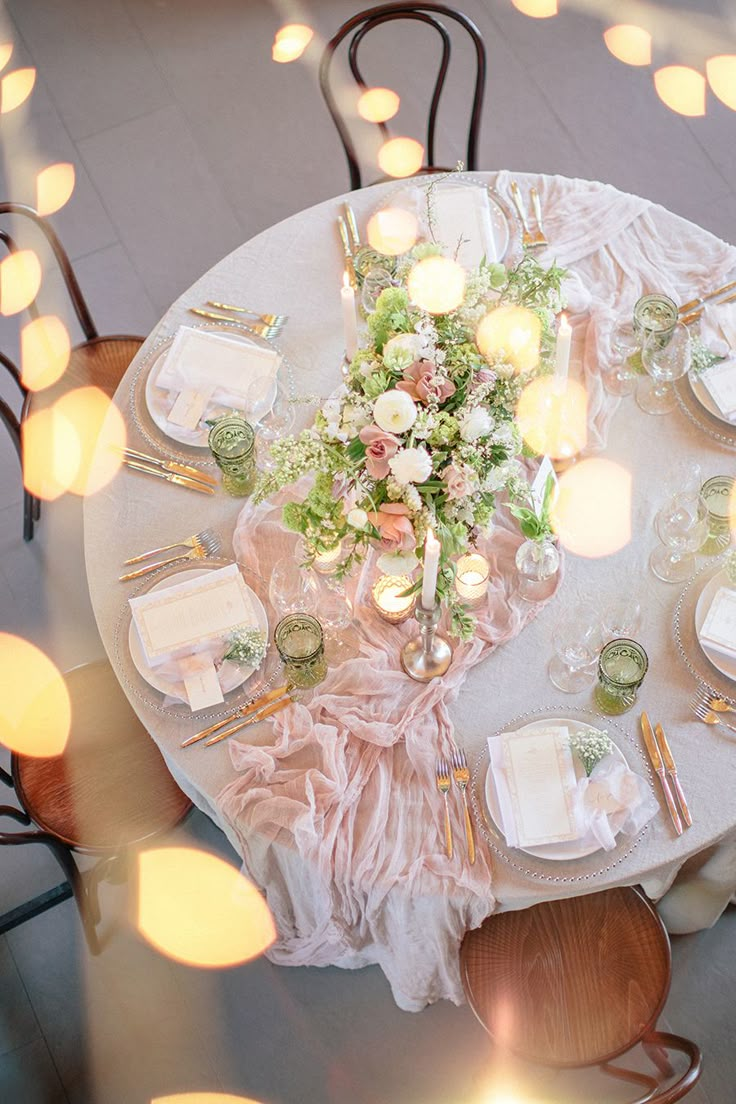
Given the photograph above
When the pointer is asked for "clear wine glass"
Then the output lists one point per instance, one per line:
(682, 525)
(292, 588)
(666, 360)
(622, 617)
(260, 397)
(336, 618)
(577, 640)
(621, 377)
(275, 423)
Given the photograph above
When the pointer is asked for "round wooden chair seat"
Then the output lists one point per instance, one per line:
(110, 787)
(569, 983)
(101, 362)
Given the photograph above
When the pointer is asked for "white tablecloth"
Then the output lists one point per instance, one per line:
(617, 247)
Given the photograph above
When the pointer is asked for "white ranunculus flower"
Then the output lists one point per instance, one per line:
(475, 423)
(504, 371)
(397, 563)
(401, 351)
(357, 518)
(394, 411)
(412, 465)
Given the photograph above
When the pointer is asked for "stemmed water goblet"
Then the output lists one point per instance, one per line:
(292, 588)
(259, 398)
(577, 639)
(275, 423)
(621, 377)
(666, 359)
(682, 525)
(336, 618)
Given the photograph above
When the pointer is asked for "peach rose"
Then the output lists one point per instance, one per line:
(380, 447)
(424, 385)
(392, 522)
(460, 480)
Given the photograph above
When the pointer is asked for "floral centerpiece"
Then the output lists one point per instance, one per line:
(421, 433)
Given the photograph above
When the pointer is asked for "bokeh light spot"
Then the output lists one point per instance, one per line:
(51, 454)
(376, 105)
(20, 279)
(681, 89)
(204, 1098)
(721, 72)
(100, 432)
(15, 88)
(35, 710)
(291, 41)
(392, 231)
(45, 348)
(629, 43)
(54, 186)
(511, 333)
(592, 512)
(6, 52)
(401, 156)
(537, 9)
(437, 284)
(197, 909)
(552, 417)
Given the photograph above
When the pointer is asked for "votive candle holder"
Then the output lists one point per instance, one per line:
(325, 563)
(389, 600)
(471, 578)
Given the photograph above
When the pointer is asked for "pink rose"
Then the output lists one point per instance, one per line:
(392, 522)
(423, 384)
(380, 447)
(460, 480)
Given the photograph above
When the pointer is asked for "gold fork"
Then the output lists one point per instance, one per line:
(461, 774)
(711, 702)
(707, 716)
(443, 785)
(197, 553)
(278, 320)
(189, 542)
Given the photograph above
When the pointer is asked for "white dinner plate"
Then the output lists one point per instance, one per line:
(570, 849)
(175, 687)
(706, 400)
(723, 663)
(159, 401)
(411, 197)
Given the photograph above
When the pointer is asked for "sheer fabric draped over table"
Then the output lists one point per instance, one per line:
(334, 808)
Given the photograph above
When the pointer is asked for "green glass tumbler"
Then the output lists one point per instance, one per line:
(655, 314)
(622, 665)
(716, 494)
(232, 442)
(300, 643)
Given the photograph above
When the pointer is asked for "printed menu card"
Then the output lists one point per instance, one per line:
(720, 381)
(719, 627)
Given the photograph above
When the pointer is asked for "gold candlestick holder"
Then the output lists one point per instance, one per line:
(429, 655)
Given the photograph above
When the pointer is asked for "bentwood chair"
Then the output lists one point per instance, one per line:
(97, 361)
(107, 793)
(577, 983)
(358, 27)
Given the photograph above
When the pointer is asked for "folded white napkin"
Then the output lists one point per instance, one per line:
(720, 380)
(612, 800)
(719, 627)
(462, 215)
(201, 360)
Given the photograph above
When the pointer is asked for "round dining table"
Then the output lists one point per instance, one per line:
(334, 810)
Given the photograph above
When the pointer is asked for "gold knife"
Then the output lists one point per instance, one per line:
(172, 466)
(255, 719)
(671, 768)
(170, 477)
(352, 226)
(245, 711)
(699, 311)
(656, 761)
(347, 251)
(693, 303)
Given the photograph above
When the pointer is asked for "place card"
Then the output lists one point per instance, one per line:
(199, 360)
(719, 628)
(189, 407)
(462, 223)
(201, 683)
(540, 480)
(720, 380)
(183, 617)
(541, 780)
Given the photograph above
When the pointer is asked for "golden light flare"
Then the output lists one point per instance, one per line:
(204, 1098)
(401, 157)
(392, 231)
(15, 88)
(377, 105)
(290, 42)
(437, 284)
(54, 186)
(682, 89)
(629, 43)
(45, 349)
(537, 9)
(592, 512)
(721, 73)
(99, 429)
(20, 279)
(197, 909)
(52, 454)
(6, 52)
(732, 512)
(511, 332)
(552, 417)
(35, 710)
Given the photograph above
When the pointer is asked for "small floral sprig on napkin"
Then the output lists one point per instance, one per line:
(701, 357)
(246, 646)
(590, 747)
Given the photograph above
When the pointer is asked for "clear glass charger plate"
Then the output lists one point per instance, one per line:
(695, 403)
(685, 620)
(552, 870)
(506, 233)
(152, 361)
(134, 682)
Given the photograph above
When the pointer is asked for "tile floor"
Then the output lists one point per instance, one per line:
(187, 140)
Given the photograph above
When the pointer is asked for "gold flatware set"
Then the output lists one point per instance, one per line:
(255, 711)
(529, 239)
(694, 308)
(203, 544)
(663, 763)
(455, 769)
(262, 325)
(707, 708)
(184, 475)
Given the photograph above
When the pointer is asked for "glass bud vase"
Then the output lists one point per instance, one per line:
(538, 562)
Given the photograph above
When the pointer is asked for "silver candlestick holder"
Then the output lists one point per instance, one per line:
(429, 655)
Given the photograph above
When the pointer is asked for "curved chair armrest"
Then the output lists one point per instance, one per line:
(6, 778)
(676, 1042)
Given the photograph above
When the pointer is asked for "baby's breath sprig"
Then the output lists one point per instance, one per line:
(590, 747)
